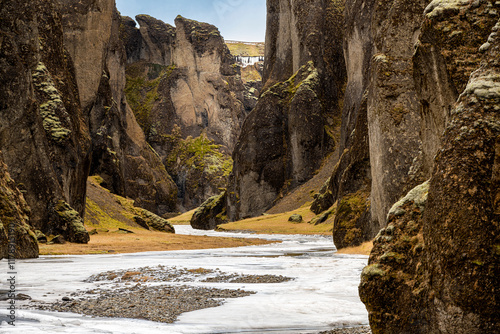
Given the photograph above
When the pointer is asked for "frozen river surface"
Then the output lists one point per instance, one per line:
(323, 294)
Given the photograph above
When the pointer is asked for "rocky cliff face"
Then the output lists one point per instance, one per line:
(434, 268)
(121, 155)
(17, 240)
(350, 183)
(188, 97)
(43, 134)
(295, 121)
(407, 85)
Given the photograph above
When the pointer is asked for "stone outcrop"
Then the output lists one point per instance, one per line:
(393, 105)
(435, 268)
(121, 154)
(43, 134)
(398, 98)
(184, 91)
(211, 213)
(350, 183)
(295, 122)
(17, 240)
(200, 90)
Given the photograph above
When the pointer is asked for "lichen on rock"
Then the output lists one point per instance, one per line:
(52, 110)
(17, 239)
(149, 220)
(211, 213)
(70, 221)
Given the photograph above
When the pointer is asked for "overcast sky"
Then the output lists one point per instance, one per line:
(242, 20)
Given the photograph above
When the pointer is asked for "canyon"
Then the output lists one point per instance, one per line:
(403, 97)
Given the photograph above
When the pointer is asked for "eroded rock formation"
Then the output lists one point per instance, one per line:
(17, 240)
(295, 122)
(121, 154)
(43, 133)
(407, 85)
(185, 89)
(435, 268)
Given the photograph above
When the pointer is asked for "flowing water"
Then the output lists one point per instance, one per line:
(322, 295)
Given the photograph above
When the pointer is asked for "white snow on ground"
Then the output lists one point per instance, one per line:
(323, 294)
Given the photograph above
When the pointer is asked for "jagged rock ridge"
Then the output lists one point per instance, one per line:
(185, 89)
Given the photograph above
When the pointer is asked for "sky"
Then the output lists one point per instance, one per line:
(241, 20)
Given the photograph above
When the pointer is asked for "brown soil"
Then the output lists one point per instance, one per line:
(144, 241)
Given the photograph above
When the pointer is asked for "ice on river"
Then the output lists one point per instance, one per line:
(323, 294)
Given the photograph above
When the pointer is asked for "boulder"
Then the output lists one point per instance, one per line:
(296, 218)
(149, 220)
(211, 213)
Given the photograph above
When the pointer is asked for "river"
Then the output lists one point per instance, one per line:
(322, 295)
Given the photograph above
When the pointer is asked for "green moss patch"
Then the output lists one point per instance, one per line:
(52, 109)
(141, 89)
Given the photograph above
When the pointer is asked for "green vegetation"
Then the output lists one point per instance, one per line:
(279, 223)
(371, 271)
(52, 107)
(199, 153)
(141, 90)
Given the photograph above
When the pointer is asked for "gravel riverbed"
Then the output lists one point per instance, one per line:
(156, 303)
(129, 293)
(354, 330)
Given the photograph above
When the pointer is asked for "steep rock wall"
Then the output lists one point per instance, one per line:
(408, 85)
(435, 268)
(121, 154)
(350, 182)
(43, 135)
(190, 105)
(17, 240)
(296, 120)
(393, 104)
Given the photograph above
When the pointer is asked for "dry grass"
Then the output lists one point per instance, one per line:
(144, 241)
(250, 73)
(304, 193)
(363, 249)
(279, 224)
(246, 49)
(183, 219)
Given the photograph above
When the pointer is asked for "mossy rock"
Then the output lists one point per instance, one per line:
(211, 213)
(149, 220)
(296, 218)
(40, 237)
(351, 218)
(70, 223)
